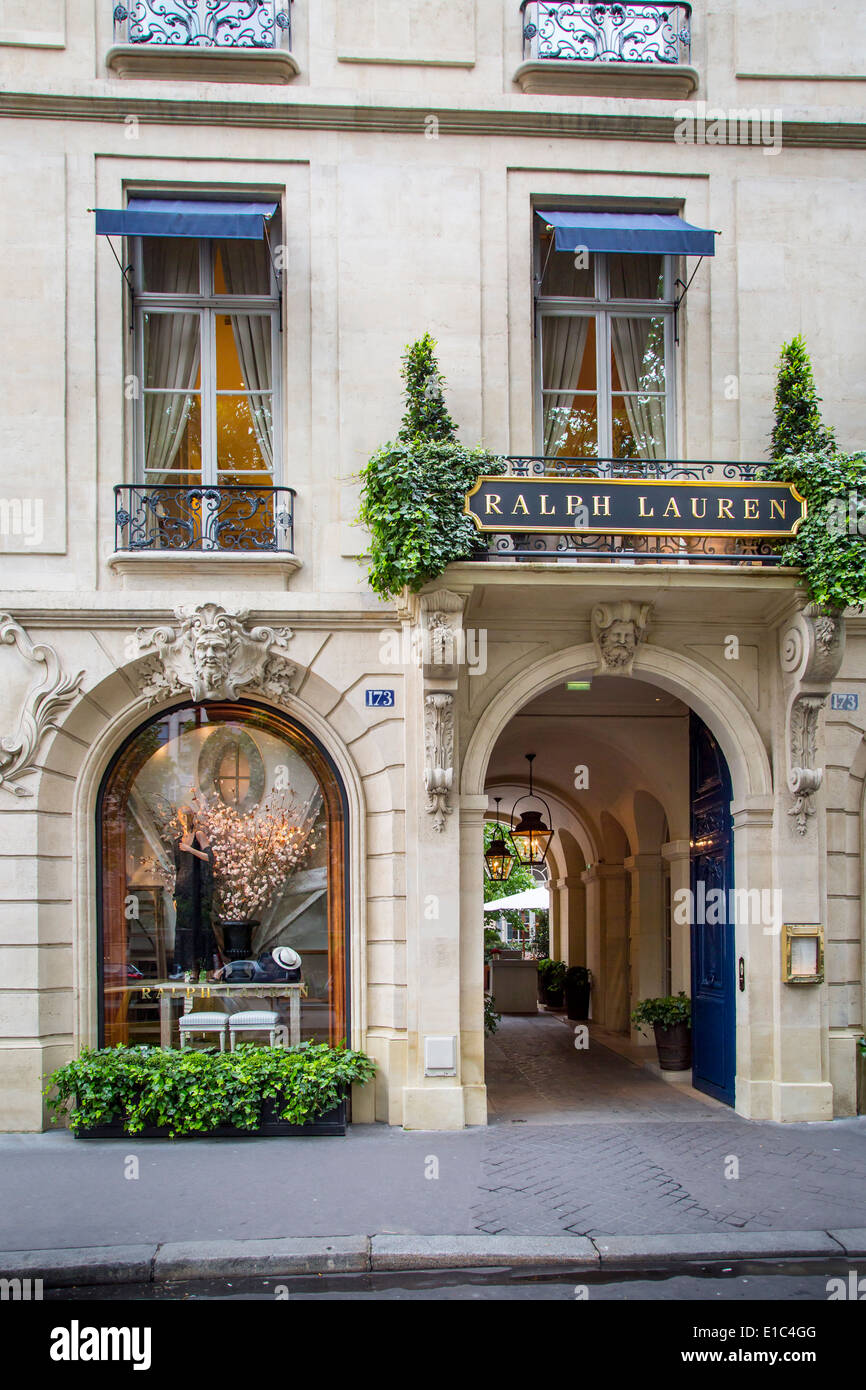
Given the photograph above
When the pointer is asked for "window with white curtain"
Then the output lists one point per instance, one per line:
(604, 344)
(207, 345)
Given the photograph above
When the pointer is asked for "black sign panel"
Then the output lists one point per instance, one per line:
(636, 507)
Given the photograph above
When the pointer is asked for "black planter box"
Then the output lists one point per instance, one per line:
(332, 1122)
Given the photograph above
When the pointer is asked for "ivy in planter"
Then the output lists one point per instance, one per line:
(413, 489)
(196, 1091)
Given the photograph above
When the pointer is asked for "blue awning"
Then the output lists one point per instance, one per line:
(630, 232)
(185, 217)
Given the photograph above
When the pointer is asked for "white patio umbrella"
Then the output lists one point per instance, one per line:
(532, 899)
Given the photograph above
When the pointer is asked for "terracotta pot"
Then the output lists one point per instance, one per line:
(674, 1046)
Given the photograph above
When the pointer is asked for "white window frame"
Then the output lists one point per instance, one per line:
(208, 306)
(602, 308)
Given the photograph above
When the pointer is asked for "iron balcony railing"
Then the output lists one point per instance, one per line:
(613, 33)
(205, 23)
(611, 549)
(169, 517)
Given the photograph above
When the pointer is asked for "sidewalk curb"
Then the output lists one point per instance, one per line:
(145, 1264)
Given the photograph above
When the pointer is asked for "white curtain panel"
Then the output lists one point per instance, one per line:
(172, 353)
(564, 343)
(246, 272)
(638, 350)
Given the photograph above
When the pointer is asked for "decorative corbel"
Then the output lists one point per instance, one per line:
(43, 703)
(440, 629)
(439, 754)
(812, 648)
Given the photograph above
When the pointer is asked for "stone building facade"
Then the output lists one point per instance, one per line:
(402, 153)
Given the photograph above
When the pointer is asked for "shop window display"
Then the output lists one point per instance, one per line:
(222, 876)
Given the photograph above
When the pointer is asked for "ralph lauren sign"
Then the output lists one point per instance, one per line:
(636, 507)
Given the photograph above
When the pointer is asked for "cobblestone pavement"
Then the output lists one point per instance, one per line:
(583, 1143)
(629, 1153)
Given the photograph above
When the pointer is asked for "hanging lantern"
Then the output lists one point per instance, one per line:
(498, 858)
(531, 836)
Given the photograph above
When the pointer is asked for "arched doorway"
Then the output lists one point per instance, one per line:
(259, 800)
(631, 761)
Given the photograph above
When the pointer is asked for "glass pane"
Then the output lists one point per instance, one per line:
(243, 352)
(170, 265)
(172, 437)
(566, 273)
(636, 277)
(222, 780)
(639, 427)
(570, 426)
(637, 354)
(172, 352)
(242, 267)
(568, 359)
(244, 436)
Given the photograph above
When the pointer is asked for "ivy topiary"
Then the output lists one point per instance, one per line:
(413, 489)
(798, 426)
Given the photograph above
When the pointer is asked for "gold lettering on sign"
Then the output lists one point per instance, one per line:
(725, 504)
(651, 512)
(672, 508)
(544, 511)
(492, 500)
(522, 505)
(699, 515)
(574, 503)
(777, 508)
(601, 506)
(749, 502)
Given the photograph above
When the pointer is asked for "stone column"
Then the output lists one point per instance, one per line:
(571, 896)
(472, 809)
(646, 929)
(608, 960)
(433, 1094)
(678, 855)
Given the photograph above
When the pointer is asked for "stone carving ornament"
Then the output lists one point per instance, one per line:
(42, 705)
(811, 654)
(211, 654)
(617, 631)
(439, 754)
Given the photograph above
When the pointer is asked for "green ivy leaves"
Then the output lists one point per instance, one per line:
(413, 489)
(192, 1091)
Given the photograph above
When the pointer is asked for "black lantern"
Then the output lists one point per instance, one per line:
(498, 857)
(531, 837)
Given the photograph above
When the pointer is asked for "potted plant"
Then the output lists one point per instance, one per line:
(578, 983)
(861, 1076)
(551, 979)
(671, 1018)
(167, 1093)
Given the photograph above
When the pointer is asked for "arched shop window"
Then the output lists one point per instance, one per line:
(221, 838)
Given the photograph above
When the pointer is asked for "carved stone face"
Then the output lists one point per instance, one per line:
(618, 643)
(211, 656)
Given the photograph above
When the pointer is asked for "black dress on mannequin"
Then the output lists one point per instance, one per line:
(194, 941)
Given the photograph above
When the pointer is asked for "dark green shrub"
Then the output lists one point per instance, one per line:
(798, 426)
(191, 1091)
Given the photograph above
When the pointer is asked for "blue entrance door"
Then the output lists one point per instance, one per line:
(714, 1036)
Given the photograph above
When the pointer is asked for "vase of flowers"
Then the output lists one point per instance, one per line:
(254, 854)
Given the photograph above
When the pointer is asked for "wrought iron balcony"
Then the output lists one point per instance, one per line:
(226, 24)
(169, 517)
(611, 549)
(563, 31)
